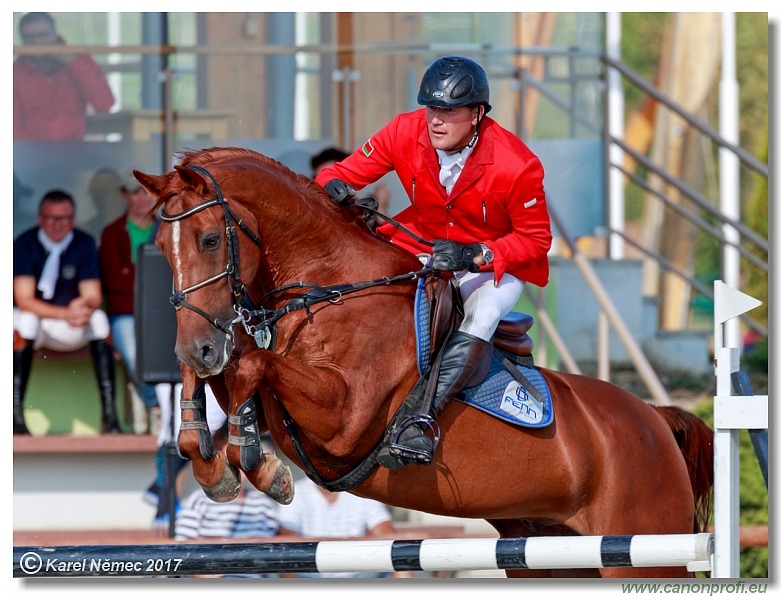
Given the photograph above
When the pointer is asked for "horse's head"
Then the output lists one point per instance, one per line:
(209, 241)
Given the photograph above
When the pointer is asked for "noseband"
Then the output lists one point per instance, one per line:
(232, 270)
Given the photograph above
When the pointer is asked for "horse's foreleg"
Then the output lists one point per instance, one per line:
(246, 421)
(219, 479)
(314, 396)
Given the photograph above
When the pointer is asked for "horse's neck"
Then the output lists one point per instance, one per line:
(326, 250)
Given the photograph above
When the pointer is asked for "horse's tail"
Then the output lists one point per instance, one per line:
(695, 439)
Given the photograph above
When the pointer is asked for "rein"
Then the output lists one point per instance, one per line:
(369, 205)
(265, 320)
(246, 311)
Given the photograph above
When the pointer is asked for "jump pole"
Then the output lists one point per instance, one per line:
(717, 552)
(686, 550)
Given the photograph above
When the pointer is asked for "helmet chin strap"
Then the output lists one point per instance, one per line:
(458, 149)
(473, 141)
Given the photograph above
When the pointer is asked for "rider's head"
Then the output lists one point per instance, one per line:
(453, 81)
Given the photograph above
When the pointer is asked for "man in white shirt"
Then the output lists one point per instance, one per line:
(318, 513)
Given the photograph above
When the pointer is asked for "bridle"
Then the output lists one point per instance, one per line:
(232, 270)
(260, 322)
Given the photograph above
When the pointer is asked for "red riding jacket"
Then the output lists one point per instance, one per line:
(499, 198)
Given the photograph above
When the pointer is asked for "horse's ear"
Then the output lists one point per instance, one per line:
(193, 179)
(151, 183)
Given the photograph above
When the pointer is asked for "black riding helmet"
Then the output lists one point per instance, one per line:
(453, 81)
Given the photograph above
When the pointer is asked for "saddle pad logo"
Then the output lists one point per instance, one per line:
(519, 403)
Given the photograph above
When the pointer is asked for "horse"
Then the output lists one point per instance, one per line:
(324, 370)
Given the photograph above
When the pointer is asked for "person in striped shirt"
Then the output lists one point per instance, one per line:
(252, 514)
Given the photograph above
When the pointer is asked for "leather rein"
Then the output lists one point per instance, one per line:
(260, 322)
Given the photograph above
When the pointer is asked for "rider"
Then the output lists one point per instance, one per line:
(477, 190)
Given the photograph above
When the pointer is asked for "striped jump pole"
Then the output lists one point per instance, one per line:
(686, 550)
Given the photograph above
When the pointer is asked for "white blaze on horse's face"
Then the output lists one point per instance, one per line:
(175, 237)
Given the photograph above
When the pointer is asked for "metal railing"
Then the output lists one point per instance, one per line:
(701, 216)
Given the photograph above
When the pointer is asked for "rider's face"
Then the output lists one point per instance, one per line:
(450, 129)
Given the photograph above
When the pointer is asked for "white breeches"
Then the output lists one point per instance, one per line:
(485, 303)
(57, 334)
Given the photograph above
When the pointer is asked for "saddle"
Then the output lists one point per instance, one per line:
(447, 313)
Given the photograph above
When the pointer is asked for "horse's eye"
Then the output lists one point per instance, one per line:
(210, 241)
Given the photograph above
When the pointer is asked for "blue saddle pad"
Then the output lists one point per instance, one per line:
(504, 397)
(500, 394)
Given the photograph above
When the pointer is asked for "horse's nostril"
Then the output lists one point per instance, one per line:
(207, 353)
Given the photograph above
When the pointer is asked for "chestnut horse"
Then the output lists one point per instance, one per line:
(259, 255)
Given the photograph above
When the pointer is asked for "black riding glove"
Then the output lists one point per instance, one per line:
(453, 256)
(341, 193)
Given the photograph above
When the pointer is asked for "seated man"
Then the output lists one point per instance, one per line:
(57, 295)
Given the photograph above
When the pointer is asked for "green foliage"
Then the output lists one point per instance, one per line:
(756, 359)
(755, 215)
(643, 37)
(753, 497)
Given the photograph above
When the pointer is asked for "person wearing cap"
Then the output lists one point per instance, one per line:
(475, 190)
(118, 249)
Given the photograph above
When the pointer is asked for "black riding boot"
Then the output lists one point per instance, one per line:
(103, 361)
(23, 362)
(465, 360)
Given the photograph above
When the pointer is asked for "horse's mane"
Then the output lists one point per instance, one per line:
(226, 155)
(307, 188)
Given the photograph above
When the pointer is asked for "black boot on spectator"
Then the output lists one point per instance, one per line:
(103, 361)
(23, 362)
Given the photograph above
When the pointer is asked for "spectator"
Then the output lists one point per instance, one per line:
(118, 249)
(53, 92)
(325, 158)
(318, 513)
(252, 514)
(57, 295)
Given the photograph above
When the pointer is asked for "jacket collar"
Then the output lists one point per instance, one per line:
(474, 169)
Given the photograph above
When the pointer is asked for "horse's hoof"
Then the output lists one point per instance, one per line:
(282, 488)
(227, 488)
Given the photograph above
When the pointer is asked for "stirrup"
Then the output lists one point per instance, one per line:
(409, 455)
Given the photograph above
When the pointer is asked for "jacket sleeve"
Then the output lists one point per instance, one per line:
(530, 238)
(92, 81)
(368, 163)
